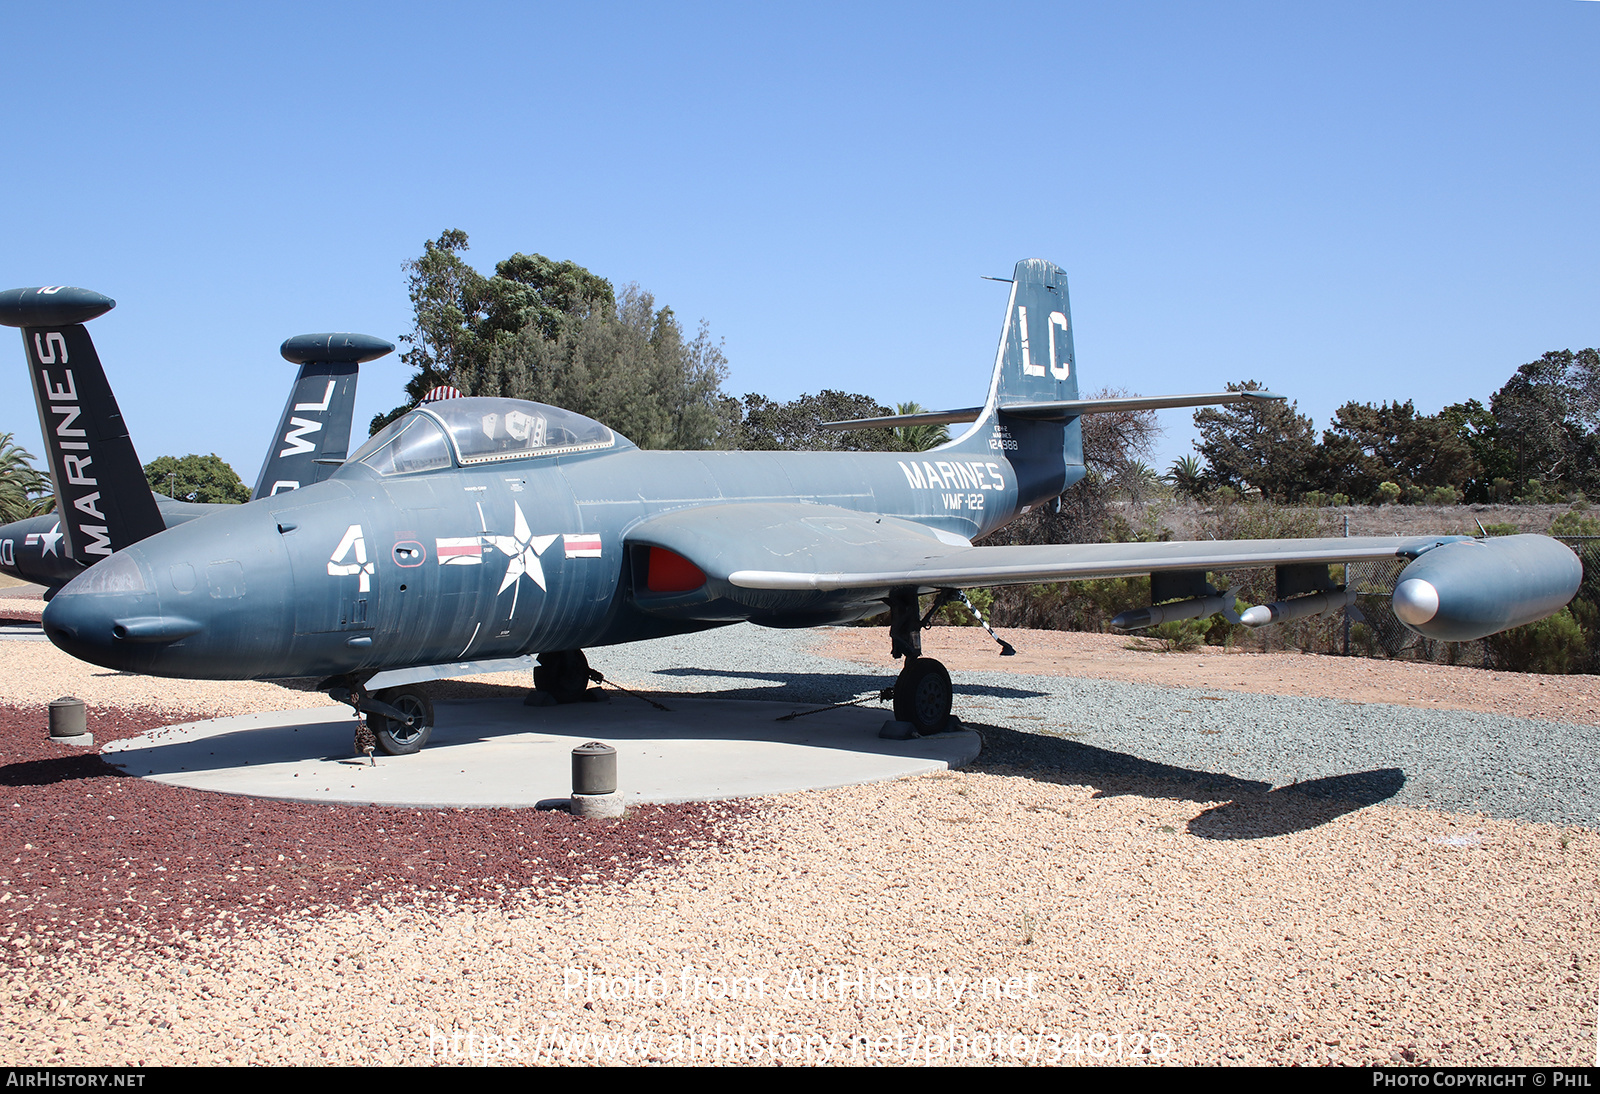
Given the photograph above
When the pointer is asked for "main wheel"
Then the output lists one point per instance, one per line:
(403, 738)
(564, 674)
(922, 695)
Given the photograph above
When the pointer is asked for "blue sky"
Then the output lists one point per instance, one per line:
(1350, 201)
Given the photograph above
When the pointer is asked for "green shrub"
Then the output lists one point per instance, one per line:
(1574, 523)
(1364, 640)
(1533, 493)
(955, 614)
(1555, 645)
(1388, 493)
(1175, 636)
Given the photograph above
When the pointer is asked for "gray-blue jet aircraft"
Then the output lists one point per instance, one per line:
(480, 528)
(312, 439)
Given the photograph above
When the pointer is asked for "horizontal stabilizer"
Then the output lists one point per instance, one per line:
(1072, 408)
(1059, 410)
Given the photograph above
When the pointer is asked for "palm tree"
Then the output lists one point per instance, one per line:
(24, 492)
(1188, 477)
(1137, 480)
(919, 438)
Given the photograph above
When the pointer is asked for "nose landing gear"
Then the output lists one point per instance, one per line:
(407, 734)
(399, 720)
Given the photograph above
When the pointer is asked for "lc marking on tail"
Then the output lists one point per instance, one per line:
(1059, 366)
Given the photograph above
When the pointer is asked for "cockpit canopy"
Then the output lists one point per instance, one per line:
(481, 430)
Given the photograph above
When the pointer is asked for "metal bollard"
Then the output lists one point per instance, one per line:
(69, 722)
(594, 781)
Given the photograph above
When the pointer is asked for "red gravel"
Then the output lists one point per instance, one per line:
(91, 858)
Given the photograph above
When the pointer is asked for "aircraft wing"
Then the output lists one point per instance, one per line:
(1454, 587)
(823, 548)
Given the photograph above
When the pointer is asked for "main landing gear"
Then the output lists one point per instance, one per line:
(922, 692)
(399, 720)
(562, 677)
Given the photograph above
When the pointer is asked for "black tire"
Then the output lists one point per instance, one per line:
(399, 738)
(564, 674)
(923, 695)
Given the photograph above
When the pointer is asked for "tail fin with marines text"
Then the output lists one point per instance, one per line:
(102, 497)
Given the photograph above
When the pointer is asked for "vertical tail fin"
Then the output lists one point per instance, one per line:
(102, 497)
(1035, 363)
(313, 435)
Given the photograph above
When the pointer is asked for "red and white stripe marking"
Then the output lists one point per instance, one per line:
(465, 551)
(582, 545)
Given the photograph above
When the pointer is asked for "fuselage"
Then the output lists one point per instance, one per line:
(430, 553)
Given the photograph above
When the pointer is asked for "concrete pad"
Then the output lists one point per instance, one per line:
(497, 752)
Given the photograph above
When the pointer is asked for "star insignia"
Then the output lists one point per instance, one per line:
(523, 549)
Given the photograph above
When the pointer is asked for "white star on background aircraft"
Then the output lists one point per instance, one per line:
(48, 541)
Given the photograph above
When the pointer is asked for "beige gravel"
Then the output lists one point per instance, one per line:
(1079, 923)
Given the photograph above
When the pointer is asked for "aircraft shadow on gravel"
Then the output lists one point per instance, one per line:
(57, 769)
(1256, 810)
(330, 739)
(825, 687)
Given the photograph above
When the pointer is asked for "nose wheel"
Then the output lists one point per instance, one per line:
(399, 720)
(403, 736)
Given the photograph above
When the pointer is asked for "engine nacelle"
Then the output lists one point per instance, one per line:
(1472, 588)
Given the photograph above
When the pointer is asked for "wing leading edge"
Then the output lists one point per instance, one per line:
(824, 548)
(969, 567)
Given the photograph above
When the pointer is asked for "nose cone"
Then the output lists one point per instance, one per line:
(205, 600)
(84, 618)
(1416, 601)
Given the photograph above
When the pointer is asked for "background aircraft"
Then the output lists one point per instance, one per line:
(312, 438)
(480, 528)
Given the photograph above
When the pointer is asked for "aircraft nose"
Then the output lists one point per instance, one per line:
(105, 614)
(205, 600)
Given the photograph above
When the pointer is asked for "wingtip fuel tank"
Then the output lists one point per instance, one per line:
(1473, 588)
